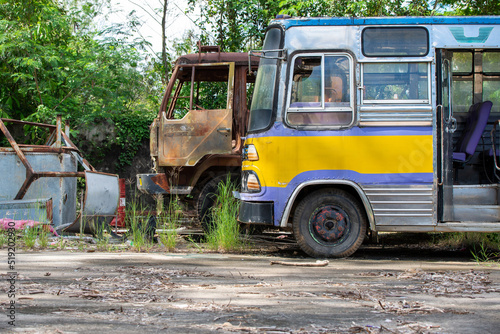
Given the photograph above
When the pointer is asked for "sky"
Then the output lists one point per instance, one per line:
(149, 12)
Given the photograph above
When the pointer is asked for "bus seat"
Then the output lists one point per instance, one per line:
(474, 127)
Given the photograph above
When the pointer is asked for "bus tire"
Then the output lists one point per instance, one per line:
(329, 223)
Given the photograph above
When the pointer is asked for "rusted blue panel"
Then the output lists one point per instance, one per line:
(62, 190)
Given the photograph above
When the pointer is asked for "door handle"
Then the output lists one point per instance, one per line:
(224, 130)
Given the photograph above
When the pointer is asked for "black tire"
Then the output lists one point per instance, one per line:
(329, 223)
(207, 198)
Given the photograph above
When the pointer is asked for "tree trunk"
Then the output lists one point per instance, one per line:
(164, 40)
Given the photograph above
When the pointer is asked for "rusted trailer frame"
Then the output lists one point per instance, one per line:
(56, 147)
(101, 185)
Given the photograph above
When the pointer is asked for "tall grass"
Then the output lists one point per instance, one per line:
(138, 226)
(3, 237)
(101, 236)
(169, 222)
(29, 237)
(224, 235)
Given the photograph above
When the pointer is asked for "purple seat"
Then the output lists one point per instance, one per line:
(474, 127)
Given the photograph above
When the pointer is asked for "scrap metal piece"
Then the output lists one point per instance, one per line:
(39, 209)
(153, 183)
(101, 201)
(39, 181)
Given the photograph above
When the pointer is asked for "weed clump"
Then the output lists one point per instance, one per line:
(169, 218)
(224, 234)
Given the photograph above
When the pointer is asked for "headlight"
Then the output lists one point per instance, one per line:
(250, 182)
(250, 153)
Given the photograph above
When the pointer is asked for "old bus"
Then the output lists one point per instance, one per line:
(374, 124)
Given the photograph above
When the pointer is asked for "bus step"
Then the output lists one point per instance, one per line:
(476, 194)
(478, 213)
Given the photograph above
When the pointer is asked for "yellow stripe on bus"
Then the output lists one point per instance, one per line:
(282, 158)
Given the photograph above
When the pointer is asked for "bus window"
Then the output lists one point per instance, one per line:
(306, 84)
(321, 91)
(491, 78)
(396, 82)
(391, 42)
(463, 89)
(490, 63)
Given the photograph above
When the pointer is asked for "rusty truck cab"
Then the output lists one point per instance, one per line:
(196, 137)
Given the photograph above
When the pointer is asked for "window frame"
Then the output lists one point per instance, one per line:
(405, 60)
(394, 28)
(322, 108)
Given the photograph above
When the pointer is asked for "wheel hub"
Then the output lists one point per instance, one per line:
(329, 223)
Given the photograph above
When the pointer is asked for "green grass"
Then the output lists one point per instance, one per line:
(481, 254)
(3, 238)
(43, 236)
(169, 219)
(29, 237)
(225, 234)
(483, 246)
(102, 237)
(138, 226)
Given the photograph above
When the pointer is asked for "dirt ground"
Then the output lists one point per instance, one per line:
(378, 290)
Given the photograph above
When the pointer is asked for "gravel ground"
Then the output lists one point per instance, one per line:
(378, 290)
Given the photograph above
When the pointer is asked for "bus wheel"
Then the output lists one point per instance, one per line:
(329, 223)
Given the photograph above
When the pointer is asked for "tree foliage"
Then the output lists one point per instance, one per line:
(473, 7)
(55, 58)
(234, 25)
(54, 61)
(240, 25)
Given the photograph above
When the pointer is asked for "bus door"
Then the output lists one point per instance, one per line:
(446, 126)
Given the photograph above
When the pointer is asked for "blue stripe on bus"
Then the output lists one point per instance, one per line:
(279, 130)
(346, 21)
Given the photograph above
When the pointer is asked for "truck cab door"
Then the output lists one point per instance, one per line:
(201, 131)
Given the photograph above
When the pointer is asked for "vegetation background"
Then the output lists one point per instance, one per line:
(58, 57)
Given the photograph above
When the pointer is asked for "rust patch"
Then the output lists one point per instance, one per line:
(161, 181)
(49, 210)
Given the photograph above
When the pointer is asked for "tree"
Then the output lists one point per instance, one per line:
(54, 61)
(234, 25)
(240, 25)
(472, 7)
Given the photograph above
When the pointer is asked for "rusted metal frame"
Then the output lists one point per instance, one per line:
(31, 175)
(86, 165)
(240, 109)
(193, 70)
(52, 128)
(207, 48)
(28, 123)
(168, 91)
(230, 87)
(22, 157)
(174, 100)
(58, 132)
(225, 160)
(39, 148)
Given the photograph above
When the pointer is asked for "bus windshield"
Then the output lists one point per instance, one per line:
(261, 110)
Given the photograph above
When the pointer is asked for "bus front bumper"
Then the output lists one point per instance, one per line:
(256, 213)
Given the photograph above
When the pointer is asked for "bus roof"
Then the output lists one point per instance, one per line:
(356, 21)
